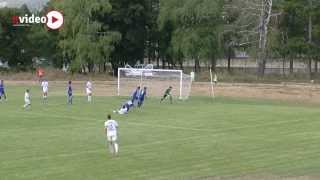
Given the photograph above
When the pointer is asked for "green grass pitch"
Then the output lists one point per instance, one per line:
(186, 140)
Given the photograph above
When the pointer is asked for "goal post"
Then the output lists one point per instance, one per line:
(119, 81)
(211, 83)
(156, 80)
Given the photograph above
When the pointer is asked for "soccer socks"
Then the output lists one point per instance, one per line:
(26, 105)
(45, 98)
(116, 148)
(3, 97)
(163, 98)
(89, 98)
(111, 148)
(69, 99)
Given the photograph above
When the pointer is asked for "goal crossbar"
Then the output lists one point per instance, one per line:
(140, 73)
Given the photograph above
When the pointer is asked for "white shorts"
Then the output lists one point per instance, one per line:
(27, 102)
(88, 91)
(45, 90)
(112, 138)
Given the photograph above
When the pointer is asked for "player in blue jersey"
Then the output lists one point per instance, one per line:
(135, 96)
(2, 92)
(69, 92)
(142, 96)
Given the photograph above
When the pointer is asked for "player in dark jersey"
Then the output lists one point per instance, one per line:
(69, 92)
(167, 93)
(2, 92)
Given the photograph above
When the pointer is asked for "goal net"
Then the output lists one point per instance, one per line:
(156, 80)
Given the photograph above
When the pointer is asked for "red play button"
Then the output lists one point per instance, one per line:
(54, 19)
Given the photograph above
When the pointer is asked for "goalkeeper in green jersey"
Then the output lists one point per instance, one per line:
(166, 94)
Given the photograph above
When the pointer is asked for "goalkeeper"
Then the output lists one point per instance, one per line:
(166, 94)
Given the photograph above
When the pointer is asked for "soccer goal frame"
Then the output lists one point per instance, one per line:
(142, 73)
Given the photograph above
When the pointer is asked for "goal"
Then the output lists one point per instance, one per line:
(156, 80)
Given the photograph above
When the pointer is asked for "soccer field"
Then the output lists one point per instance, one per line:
(194, 139)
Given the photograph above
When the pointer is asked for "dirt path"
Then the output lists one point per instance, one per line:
(283, 92)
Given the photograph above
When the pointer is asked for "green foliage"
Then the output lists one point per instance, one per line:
(84, 39)
(128, 31)
(194, 27)
(291, 36)
(129, 18)
(294, 17)
(14, 43)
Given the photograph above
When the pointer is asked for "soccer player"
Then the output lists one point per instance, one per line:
(166, 94)
(2, 92)
(124, 108)
(69, 92)
(111, 127)
(27, 99)
(142, 96)
(135, 96)
(215, 79)
(89, 91)
(45, 88)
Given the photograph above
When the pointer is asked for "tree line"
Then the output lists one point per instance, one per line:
(165, 32)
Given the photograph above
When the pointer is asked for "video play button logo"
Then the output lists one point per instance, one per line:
(54, 20)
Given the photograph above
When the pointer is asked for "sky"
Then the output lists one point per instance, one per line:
(32, 4)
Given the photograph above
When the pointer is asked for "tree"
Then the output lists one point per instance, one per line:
(297, 25)
(14, 44)
(152, 29)
(85, 40)
(129, 18)
(316, 34)
(44, 44)
(252, 25)
(194, 26)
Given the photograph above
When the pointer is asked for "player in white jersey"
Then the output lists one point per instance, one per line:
(110, 127)
(27, 99)
(215, 79)
(89, 91)
(45, 88)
